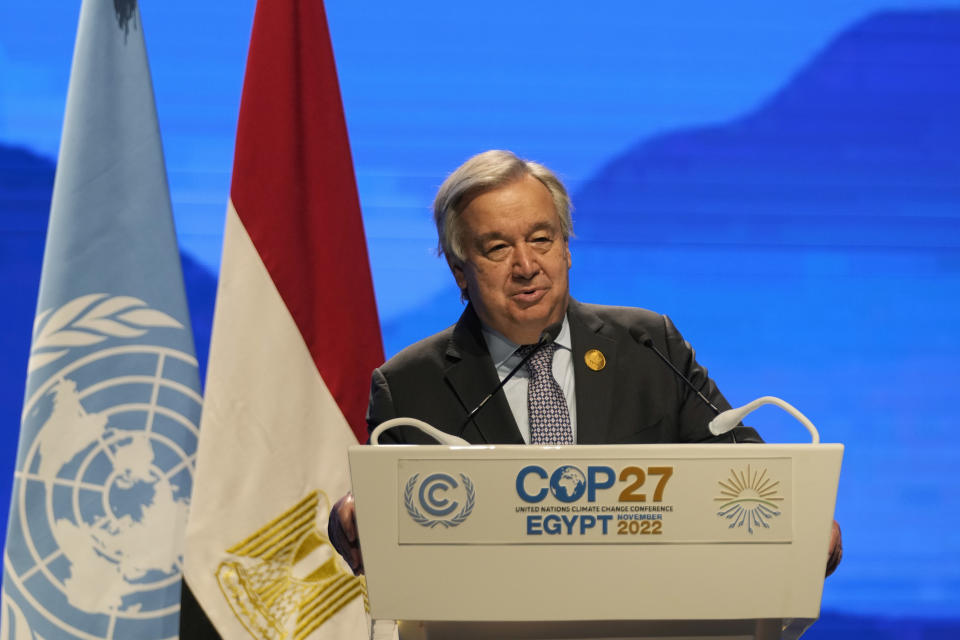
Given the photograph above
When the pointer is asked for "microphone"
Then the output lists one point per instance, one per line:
(440, 436)
(549, 335)
(727, 420)
(642, 338)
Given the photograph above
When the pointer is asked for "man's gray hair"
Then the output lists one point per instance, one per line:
(482, 173)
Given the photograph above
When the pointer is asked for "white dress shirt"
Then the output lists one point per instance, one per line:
(504, 356)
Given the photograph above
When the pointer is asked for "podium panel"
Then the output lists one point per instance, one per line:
(549, 537)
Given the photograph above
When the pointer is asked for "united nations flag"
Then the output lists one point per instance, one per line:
(109, 425)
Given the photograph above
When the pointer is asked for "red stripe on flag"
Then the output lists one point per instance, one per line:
(294, 190)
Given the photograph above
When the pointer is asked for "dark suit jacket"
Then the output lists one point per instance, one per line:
(635, 398)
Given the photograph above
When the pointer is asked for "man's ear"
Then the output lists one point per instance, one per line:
(459, 275)
(461, 278)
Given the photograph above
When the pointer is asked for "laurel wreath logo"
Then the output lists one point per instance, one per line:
(88, 320)
(421, 519)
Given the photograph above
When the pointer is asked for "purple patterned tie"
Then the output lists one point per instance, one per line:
(546, 405)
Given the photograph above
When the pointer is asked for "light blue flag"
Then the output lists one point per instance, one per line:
(109, 427)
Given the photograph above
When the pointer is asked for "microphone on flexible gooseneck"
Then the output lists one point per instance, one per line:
(549, 335)
(642, 338)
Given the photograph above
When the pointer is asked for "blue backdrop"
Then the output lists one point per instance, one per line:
(784, 181)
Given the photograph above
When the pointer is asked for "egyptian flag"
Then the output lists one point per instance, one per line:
(295, 338)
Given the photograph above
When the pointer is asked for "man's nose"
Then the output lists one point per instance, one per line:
(525, 263)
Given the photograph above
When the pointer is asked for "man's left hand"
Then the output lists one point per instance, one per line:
(835, 553)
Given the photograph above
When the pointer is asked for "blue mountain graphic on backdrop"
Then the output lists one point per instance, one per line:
(860, 149)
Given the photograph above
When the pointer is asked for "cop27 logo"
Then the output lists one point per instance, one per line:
(445, 501)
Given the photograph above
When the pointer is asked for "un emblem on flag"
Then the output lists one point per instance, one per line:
(104, 474)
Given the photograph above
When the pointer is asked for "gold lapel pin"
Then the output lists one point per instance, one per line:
(594, 359)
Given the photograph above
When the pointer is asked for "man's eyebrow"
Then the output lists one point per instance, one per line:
(484, 238)
(489, 236)
(539, 226)
(542, 226)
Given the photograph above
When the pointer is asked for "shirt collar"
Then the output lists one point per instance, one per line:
(502, 350)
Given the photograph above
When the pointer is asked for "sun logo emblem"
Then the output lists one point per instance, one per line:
(749, 499)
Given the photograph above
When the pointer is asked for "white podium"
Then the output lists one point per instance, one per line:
(625, 541)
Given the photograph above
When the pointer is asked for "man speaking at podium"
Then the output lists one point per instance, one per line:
(504, 228)
(592, 375)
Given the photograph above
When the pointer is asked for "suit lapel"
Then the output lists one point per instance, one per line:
(594, 388)
(471, 375)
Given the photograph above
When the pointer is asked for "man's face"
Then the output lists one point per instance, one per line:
(515, 260)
